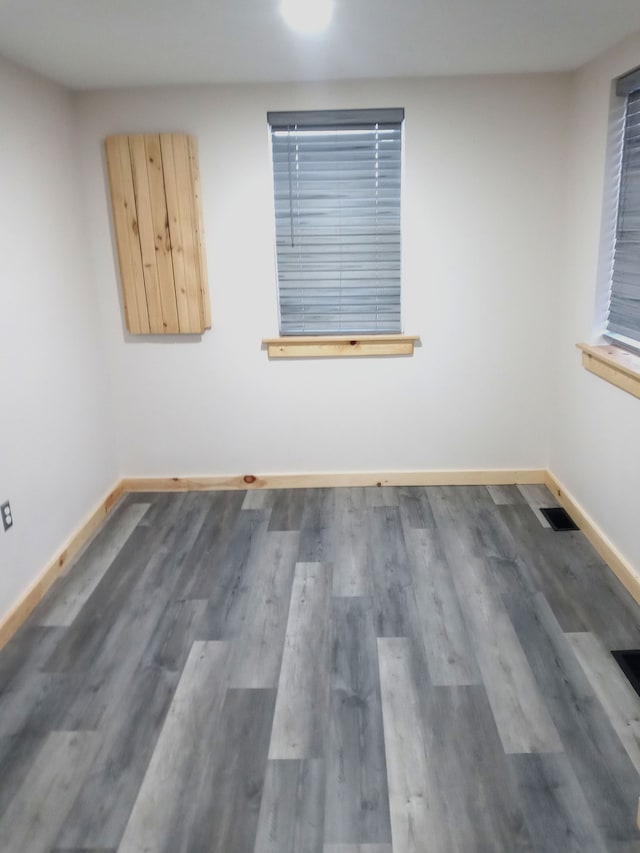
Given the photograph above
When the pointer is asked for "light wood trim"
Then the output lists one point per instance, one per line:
(35, 593)
(145, 232)
(496, 477)
(339, 346)
(199, 229)
(185, 250)
(621, 567)
(161, 239)
(125, 220)
(613, 364)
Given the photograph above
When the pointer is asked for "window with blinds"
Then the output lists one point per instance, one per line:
(337, 177)
(623, 320)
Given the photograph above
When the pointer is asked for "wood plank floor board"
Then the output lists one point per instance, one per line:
(84, 850)
(227, 807)
(259, 499)
(390, 569)
(357, 803)
(40, 805)
(161, 819)
(17, 755)
(418, 817)
(537, 496)
(555, 808)
(319, 509)
(38, 705)
(604, 770)
(86, 636)
(257, 654)
(292, 808)
(176, 630)
(584, 576)
(571, 575)
(350, 498)
(27, 652)
(357, 848)
(225, 581)
(505, 495)
(415, 506)
(300, 720)
(350, 546)
(287, 511)
(465, 759)
(616, 695)
(139, 703)
(317, 545)
(70, 591)
(518, 705)
(380, 496)
(108, 676)
(449, 652)
(460, 498)
(528, 534)
(521, 715)
(212, 544)
(128, 738)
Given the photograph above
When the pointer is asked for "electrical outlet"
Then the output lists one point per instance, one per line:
(7, 517)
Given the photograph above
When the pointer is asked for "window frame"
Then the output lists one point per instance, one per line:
(330, 120)
(624, 87)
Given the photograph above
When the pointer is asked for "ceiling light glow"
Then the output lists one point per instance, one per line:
(307, 16)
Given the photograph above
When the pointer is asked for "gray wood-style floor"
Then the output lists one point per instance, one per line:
(385, 670)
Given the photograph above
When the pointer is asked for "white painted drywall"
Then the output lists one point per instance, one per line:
(56, 445)
(595, 437)
(482, 244)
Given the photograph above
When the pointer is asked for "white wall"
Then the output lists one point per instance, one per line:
(483, 223)
(56, 443)
(595, 439)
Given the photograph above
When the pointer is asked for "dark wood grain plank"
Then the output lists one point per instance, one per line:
(357, 806)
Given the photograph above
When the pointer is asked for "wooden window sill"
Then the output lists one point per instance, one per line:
(339, 346)
(613, 364)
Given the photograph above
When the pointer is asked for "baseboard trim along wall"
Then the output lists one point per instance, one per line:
(618, 564)
(496, 477)
(10, 623)
(36, 592)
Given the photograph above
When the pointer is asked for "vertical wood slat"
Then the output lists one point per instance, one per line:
(145, 231)
(158, 224)
(162, 243)
(195, 178)
(126, 229)
(184, 247)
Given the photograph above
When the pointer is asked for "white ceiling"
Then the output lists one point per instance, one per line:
(88, 44)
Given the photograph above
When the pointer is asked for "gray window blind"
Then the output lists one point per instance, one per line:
(337, 209)
(624, 303)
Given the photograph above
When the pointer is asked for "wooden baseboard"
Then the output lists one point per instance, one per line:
(10, 623)
(496, 477)
(619, 565)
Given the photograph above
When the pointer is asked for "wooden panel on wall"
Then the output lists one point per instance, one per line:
(161, 242)
(158, 224)
(195, 176)
(182, 228)
(125, 222)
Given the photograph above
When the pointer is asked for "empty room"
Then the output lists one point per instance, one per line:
(319, 426)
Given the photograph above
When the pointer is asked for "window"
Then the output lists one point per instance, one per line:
(623, 320)
(337, 178)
